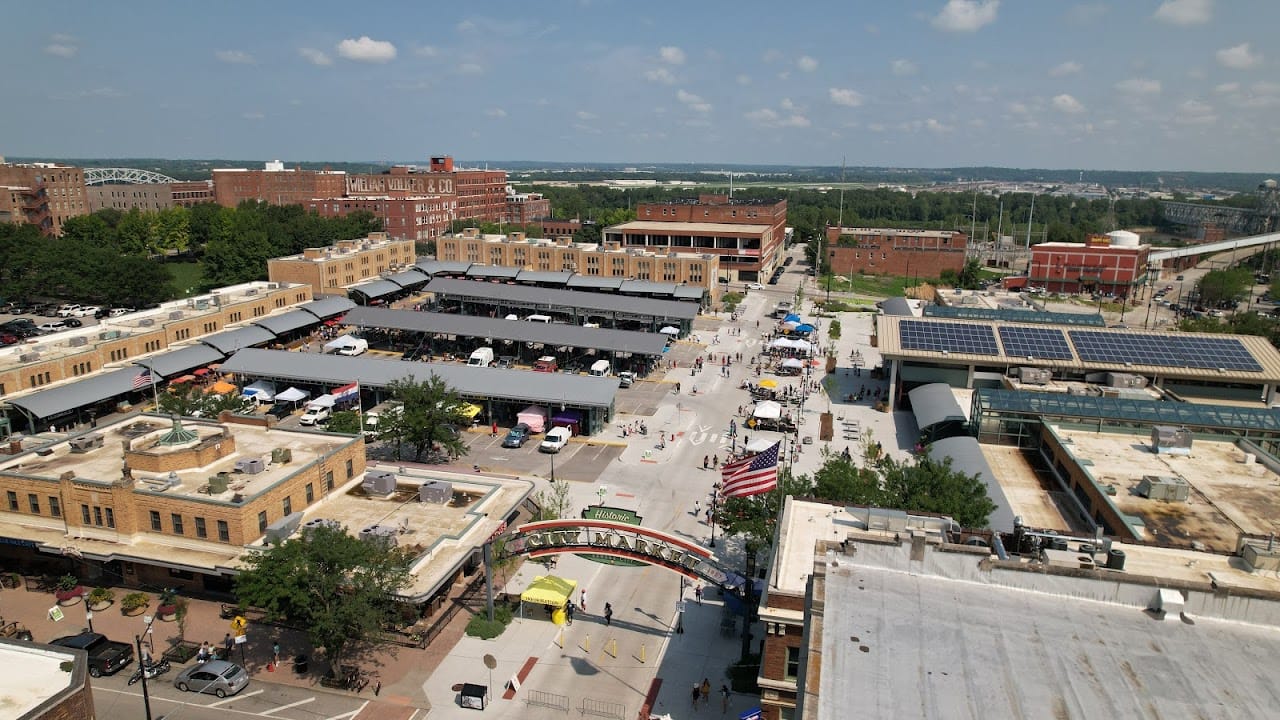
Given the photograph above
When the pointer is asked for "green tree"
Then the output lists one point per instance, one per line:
(193, 401)
(346, 422)
(756, 516)
(171, 232)
(338, 587)
(1222, 287)
(430, 414)
(925, 485)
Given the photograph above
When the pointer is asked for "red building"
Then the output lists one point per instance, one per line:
(889, 251)
(480, 194)
(420, 217)
(276, 185)
(560, 228)
(1112, 264)
(525, 208)
(42, 194)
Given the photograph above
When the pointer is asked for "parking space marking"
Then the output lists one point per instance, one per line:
(234, 697)
(356, 712)
(303, 701)
(160, 698)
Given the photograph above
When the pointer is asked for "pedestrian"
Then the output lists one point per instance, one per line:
(275, 652)
(697, 508)
(568, 613)
(705, 690)
(495, 430)
(227, 644)
(582, 599)
(715, 462)
(706, 461)
(608, 614)
(724, 696)
(697, 693)
(697, 594)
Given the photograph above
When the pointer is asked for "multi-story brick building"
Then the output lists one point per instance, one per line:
(128, 196)
(327, 270)
(1112, 264)
(525, 208)
(276, 185)
(561, 228)
(400, 181)
(747, 236)
(481, 194)
(590, 259)
(42, 194)
(407, 217)
(889, 251)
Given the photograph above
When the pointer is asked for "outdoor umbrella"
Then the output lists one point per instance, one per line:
(769, 383)
(791, 325)
(669, 330)
(804, 328)
(791, 318)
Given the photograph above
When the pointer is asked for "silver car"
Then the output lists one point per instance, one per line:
(218, 677)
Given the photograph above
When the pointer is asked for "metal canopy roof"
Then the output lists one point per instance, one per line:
(690, 291)
(593, 281)
(412, 276)
(377, 289)
(180, 361)
(287, 322)
(544, 276)
(471, 383)
(966, 456)
(934, 403)
(1122, 410)
(1013, 315)
(493, 271)
(91, 390)
(553, 334)
(232, 340)
(896, 306)
(647, 287)
(551, 298)
(434, 267)
(328, 307)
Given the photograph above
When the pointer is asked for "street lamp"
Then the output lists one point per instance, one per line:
(601, 492)
(715, 502)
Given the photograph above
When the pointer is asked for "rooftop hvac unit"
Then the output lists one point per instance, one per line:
(314, 523)
(1125, 380)
(273, 286)
(85, 443)
(1163, 487)
(284, 527)
(29, 357)
(1260, 554)
(281, 455)
(146, 322)
(78, 341)
(385, 534)
(250, 291)
(1170, 440)
(250, 466)
(379, 482)
(1034, 375)
(109, 335)
(218, 484)
(175, 315)
(437, 492)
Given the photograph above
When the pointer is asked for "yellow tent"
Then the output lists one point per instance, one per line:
(470, 411)
(549, 590)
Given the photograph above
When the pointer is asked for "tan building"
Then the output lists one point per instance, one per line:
(330, 269)
(149, 196)
(590, 259)
(34, 685)
(43, 194)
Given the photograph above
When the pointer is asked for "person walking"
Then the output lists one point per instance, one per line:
(568, 613)
(697, 594)
(697, 508)
(706, 461)
(275, 653)
(705, 691)
(582, 599)
(608, 614)
(724, 699)
(227, 644)
(697, 693)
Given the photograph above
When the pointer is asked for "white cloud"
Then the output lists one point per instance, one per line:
(766, 117)
(1185, 12)
(1067, 104)
(470, 69)
(966, 15)
(744, 79)
(252, 115)
(845, 97)
(1139, 87)
(1240, 57)
(1194, 112)
(584, 115)
(771, 55)
(1229, 87)
(61, 50)
(234, 57)
(426, 51)
(466, 26)
(660, 75)
(1070, 67)
(315, 57)
(903, 67)
(671, 55)
(693, 102)
(789, 106)
(807, 63)
(934, 125)
(496, 112)
(366, 49)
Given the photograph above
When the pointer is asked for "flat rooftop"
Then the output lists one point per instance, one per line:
(1226, 497)
(30, 675)
(681, 228)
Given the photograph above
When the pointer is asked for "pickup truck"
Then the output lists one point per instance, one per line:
(106, 657)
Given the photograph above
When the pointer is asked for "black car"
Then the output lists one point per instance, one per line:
(516, 436)
(281, 410)
(788, 261)
(72, 322)
(105, 656)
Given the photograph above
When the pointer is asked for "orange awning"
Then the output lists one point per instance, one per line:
(222, 387)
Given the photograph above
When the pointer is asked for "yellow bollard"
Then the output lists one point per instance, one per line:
(586, 643)
(560, 639)
(641, 652)
(611, 648)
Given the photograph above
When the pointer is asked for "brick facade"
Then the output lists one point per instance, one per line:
(275, 185)
(1095, 266)
(887, 251)
(330, 269)
(409, 217)
(50, 194)
(525, 208)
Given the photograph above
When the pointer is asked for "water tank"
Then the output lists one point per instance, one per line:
(1124, 238)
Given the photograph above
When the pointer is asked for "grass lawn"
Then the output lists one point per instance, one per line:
(873, 285)
(187, 277)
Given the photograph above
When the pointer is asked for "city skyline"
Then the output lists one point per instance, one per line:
(1178, 84)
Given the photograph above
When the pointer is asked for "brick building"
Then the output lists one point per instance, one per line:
(888, 251)
(1112, 264)
(193, 192)
(525, 208)
(400, 181)
(562, 228)
(327, 270)
(590, 259)
(43, 690)
(276, 185)
(407, 217)
(42, 194)
(747, 236)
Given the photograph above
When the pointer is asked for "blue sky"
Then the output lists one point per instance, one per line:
(1124, 84)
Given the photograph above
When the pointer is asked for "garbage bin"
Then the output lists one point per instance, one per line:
(300, 664)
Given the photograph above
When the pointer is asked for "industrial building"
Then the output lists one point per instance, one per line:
(888, 251)
(41, 194)
(1114, 264)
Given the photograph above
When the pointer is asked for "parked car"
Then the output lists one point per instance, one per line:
(117, 312)
(316, 415)
(11, 339)
(68, 310)
(50, 327)
(754, 286)
(87, 311)
(516, 436)
(626, 379)
(556, 439)
(73, 323)
(217, 677)
(46, 311)
(788, 261)
(105, 656)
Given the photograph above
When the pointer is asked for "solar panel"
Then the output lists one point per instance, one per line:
(1035, 342)
(1167, 350)
(964, 338)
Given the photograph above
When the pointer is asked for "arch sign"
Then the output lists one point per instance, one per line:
(619, 540)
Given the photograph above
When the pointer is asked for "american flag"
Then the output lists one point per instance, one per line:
(142, 380)
(752, 475)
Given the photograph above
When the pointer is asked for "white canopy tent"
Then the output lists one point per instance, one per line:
(782, 343)
(325, 401)
(799, 344)
(293, 394)
(669, 330)
(339, 342)
(792, 363)
(767, 410)
(759, 445)
(263, 391)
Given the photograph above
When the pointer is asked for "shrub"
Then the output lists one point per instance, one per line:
(100, 595)
(68, 582)
(134, 601)
(833, 329)
(480, 626)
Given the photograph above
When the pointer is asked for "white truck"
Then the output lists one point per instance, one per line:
(357, 346)
(555, 439)
(318, 411)
(481, 357)
(600, 368)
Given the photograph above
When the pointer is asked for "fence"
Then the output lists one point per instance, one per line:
(604, 709)
(547, 700)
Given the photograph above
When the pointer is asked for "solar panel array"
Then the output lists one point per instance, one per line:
(1035, 342)
(1167, 350)
(965, 338)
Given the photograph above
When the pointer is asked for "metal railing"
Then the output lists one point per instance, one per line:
(604, 709)
(540, 698)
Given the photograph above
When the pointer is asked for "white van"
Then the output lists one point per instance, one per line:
(539, 318)
(600, 368)
(481, 357)
(555, 440)
(358, 346)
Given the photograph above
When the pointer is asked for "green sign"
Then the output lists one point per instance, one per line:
(611, 514)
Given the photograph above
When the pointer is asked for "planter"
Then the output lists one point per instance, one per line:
(131, 611)
(68, 597)
(101, 605)
(167, 612)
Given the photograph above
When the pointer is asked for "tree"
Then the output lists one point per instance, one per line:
(193, 401)
(757, 515)
(346, 422)
(1220, 288)
(926, 485)
(430, 414)
(338, 587)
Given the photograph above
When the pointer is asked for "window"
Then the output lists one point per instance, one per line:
(111, 518)
(262, 521)
(793, 663)
(224, 534)
(288, 505)
(201, 530)
(84, 514)
(34, 501)
(13, 500)
(311, 493)
(350, 469)
(155, 521)
(97, 516)
(328, 481)
(55, 507)
(176, 520)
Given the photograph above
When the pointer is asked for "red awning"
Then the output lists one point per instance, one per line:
(201, 372)
(184, 379)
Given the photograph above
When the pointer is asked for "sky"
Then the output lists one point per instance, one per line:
(1119, 84)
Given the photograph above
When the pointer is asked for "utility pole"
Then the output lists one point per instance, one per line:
(1030, 217)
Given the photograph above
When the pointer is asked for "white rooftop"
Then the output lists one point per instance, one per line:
(30, 675)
